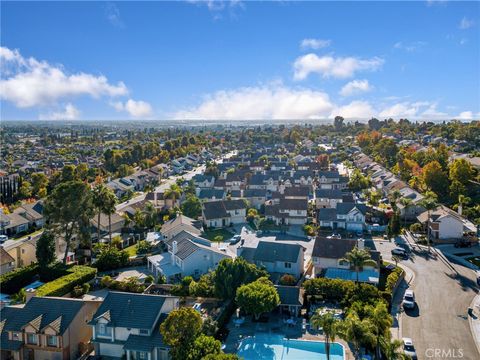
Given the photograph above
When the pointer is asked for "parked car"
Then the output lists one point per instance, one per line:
(408, 300)
(335, 236)
(409, 349)
(235, 239)
(3, 238)
(463, 244)
(398, 251)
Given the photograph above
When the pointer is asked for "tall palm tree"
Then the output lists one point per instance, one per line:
(108, 208)
(393, 350)
(328, 323)
(462, 200)
(356, 332)
(407, 203)
(150, 215)
(358, 258)
(381, 321)
(98, 201)
(393, 197)
(429, 203)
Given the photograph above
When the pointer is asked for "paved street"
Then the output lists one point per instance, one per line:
(443, 291)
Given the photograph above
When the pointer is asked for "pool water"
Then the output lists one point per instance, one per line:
(275, 347)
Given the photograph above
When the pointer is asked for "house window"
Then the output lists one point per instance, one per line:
(104, 330)
(142, 355)
(15, 336)
(288, 265)
(51, 340)
(32, 339)
(144, 332)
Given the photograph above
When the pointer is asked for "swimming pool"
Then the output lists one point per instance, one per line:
(275, 347)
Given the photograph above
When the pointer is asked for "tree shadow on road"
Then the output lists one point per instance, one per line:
(464, 282)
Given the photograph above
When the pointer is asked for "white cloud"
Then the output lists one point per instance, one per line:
(355, 87)
(355, 110)
(314, 43)
(466, 23)
(29, 82)
(69, 113)
(329, 66)
(274, 101)
(465, 115)
(217, 7)
(404, 109)
(136, 109)
(113, 14)
(410, 47)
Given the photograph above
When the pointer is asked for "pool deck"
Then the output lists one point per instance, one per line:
(276, 326)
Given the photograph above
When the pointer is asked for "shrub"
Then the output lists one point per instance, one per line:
(15, 280)
(149, 279)
(77, 275)
(143, 247)
(106, 281)
(288, 279)
(392, 279)
(109, 258)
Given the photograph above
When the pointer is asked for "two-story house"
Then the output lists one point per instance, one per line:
(203, 181)
(346, 215)
(127, 326)
(188, 255)
(287, 211)
(276, 257)
(180, 223)
(217, 214)
(47, 328)
(329, 198)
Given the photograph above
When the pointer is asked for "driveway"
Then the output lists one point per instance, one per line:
(439, 325)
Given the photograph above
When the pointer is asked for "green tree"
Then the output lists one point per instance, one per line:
(329, 325)
(356, 332)
(231, 274)
(108, 208)
(25, 190)
(192, 207)
(461, 172)
(39, 184)
(393, 350)
(381, 321)
(429, 203)
(98, 199)
(173, 192)
(393, 228)
(68, 209)
(45, 249)
(150, 216)
(202, 346)
(434, 178)
(358, 181)
(338, 123)
(258, 297)
(358, 258)
(407, 203)
(221, 356)
(180, 329)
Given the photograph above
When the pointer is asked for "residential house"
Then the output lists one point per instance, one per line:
(180, 223)
(159, 200)
(115, 224)
(276, 257)
(328, 198)
(203, 181)
(13, 224)
(287, 211)
(210, 194)
(349, 216)
(7, 262)
(328, 258)
(255, 197)
(223, 213)
(47, 328)
(127, 326)
(291, 299)
(188, 255)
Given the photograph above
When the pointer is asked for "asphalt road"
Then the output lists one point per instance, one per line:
(439, 324)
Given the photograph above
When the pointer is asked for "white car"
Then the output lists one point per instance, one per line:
(409, 349)
(408, 300)
(3, 238)
(235, 239)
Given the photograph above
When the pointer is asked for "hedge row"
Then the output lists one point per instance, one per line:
(392, 279)
(13, 281)
(77, 275)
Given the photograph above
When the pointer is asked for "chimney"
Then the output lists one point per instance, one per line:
(361, 244)
(460, 209)
(174, 251)
(30, 293)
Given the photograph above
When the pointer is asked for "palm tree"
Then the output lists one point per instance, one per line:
(98, 200)
(150, 215)
(358, 258)
(393, 350)
(462, 200)
(407, 203)
(394, 196)
(429, 203)
(108, 208)
(356, 332)
(173, 192)
(381, 321)
(328, 323)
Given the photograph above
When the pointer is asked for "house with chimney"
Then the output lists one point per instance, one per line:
(188, 255)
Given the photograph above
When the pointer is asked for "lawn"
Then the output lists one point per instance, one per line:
(475, 260)
(212, 234)
(131, 250)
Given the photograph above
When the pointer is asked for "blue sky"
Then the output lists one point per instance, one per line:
(240, 60)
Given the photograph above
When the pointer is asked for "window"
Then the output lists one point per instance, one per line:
(288, 265)
(104, 330)
(142, 355)
(51, 340)
(32, 339)
(144, 331)
(15, 336)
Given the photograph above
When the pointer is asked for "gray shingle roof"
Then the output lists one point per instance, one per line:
(274, 251)
(43, 311)
(327, 214)
(146, 343)
(290, 295)
(345, 208)
(138, 311)
(332, 248)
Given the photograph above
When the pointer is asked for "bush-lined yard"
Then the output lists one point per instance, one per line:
(214, 233)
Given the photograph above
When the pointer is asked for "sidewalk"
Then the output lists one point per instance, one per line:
(397, 311)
